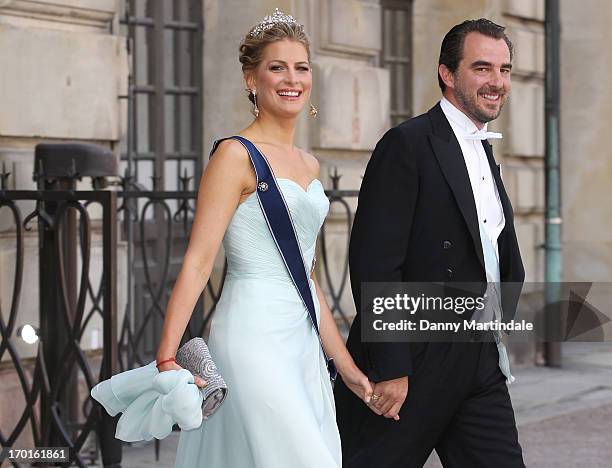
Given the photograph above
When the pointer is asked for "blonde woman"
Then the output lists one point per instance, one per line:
(280, 411)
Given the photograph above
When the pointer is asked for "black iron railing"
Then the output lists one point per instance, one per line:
(55, 412)
(154, 228)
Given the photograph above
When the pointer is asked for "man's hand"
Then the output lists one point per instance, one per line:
(389, 397)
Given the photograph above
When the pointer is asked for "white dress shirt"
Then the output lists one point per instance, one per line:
(488, 204)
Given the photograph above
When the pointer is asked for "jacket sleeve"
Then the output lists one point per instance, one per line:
(380, 238)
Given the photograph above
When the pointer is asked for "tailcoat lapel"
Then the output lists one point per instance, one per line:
(448, 153)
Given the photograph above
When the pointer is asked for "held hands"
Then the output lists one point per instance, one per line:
(359, 384)
(389, 396)
(168, 365)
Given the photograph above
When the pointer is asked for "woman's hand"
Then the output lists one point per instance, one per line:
(359, 384)
(389, 396)
(171, 365)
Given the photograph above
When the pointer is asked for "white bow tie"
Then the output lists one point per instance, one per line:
(482, 135)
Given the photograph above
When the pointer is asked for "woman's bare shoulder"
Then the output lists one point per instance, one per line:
(231, 161)
(232, 150)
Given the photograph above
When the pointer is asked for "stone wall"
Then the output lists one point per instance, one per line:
(64, 67)
(586, 165)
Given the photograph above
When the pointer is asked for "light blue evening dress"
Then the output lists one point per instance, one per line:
(279, 412)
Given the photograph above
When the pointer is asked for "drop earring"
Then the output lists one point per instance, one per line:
(255, 109)
(313, 111)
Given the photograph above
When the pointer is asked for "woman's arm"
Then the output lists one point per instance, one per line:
(330, 335)
(226, 178)
(333, 342)
(335, 348)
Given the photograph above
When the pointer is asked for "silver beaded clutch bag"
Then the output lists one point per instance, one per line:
(195, 357)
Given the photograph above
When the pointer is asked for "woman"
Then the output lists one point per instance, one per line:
(280, 409)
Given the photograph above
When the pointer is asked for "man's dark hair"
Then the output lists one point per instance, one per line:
(451, 51)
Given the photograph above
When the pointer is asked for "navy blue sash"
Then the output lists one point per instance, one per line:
(278, 218)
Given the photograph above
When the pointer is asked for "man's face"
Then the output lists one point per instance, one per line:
(481, 84)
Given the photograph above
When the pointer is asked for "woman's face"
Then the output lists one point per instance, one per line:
(283, 79)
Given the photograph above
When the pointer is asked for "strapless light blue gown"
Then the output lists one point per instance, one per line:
(279, 412)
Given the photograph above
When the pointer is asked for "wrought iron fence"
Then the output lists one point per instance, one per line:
(56, 411)
(55, 381)
(155, 225)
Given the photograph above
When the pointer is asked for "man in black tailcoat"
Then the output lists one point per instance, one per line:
(432, 205)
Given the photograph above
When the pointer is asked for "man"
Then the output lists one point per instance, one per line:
(433, 208)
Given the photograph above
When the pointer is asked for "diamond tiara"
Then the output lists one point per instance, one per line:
(278, 17)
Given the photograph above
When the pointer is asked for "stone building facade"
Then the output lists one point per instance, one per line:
(65, 67)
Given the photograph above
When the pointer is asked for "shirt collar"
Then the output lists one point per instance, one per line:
(458, 118)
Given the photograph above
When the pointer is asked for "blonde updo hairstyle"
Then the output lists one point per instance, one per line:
(252, 47)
